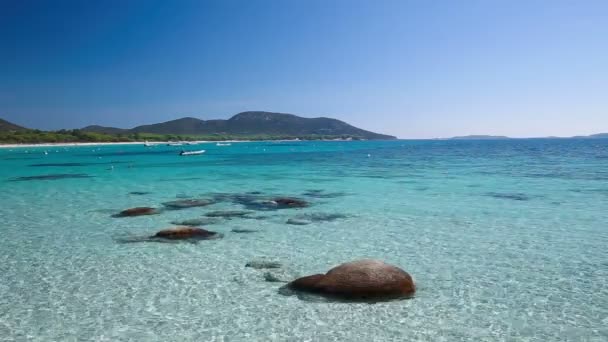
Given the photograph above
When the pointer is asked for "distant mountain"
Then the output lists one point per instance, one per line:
(480, 137)
(6, 126)
(251, 124)
(103, 129)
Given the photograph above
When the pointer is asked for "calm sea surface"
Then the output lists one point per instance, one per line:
(506, 240)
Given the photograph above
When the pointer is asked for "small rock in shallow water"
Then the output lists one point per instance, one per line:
(139, 211)
(278, 276)
(272, 278)
(261, 264)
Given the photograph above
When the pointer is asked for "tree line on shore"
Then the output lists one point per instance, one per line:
(77, 135)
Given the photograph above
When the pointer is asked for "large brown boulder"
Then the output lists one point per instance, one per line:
(139, 211)
(183, 233)
(359, 280)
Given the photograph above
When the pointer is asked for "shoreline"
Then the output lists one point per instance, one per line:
(77, 144)
(152, 143)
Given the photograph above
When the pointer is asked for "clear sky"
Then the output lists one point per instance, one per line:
(415, 69)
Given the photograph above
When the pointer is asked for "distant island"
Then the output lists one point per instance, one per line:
(502, 137)
(480, 137)
(243, 126)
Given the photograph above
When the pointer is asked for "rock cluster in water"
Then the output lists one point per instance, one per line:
(364, 280)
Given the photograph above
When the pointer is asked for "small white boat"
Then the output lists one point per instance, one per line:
(175, 144)
(191, 153)
(223, 144)
(192, 143)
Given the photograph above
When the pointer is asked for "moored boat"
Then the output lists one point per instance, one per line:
(191, 153)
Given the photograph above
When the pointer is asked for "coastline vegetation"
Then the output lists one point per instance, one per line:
(76, 135)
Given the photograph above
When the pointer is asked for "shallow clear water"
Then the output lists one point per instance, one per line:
(506, 241)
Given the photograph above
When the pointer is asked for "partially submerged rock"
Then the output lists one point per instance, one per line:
(361, 280)
(138, 211)
(184, 233)
(187, 203)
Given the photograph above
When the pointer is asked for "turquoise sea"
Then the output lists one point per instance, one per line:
(506, 240)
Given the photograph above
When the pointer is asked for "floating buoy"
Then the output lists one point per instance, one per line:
(369, 155)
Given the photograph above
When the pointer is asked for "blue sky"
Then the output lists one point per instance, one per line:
(415, 69)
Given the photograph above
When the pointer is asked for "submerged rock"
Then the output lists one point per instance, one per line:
(244, 231)
(255, 201)
(138, 211)
(187, 203)
(511, 196)
(183, 233)
(262, 264)
(315, 217)
(278, 276)
(298, 222)
(51, 177)
(228, 213)
(203, 221)
(361, 280)
(316, 193)
(290, 202)
(139, 193)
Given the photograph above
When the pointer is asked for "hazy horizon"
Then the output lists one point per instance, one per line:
(411, 69)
